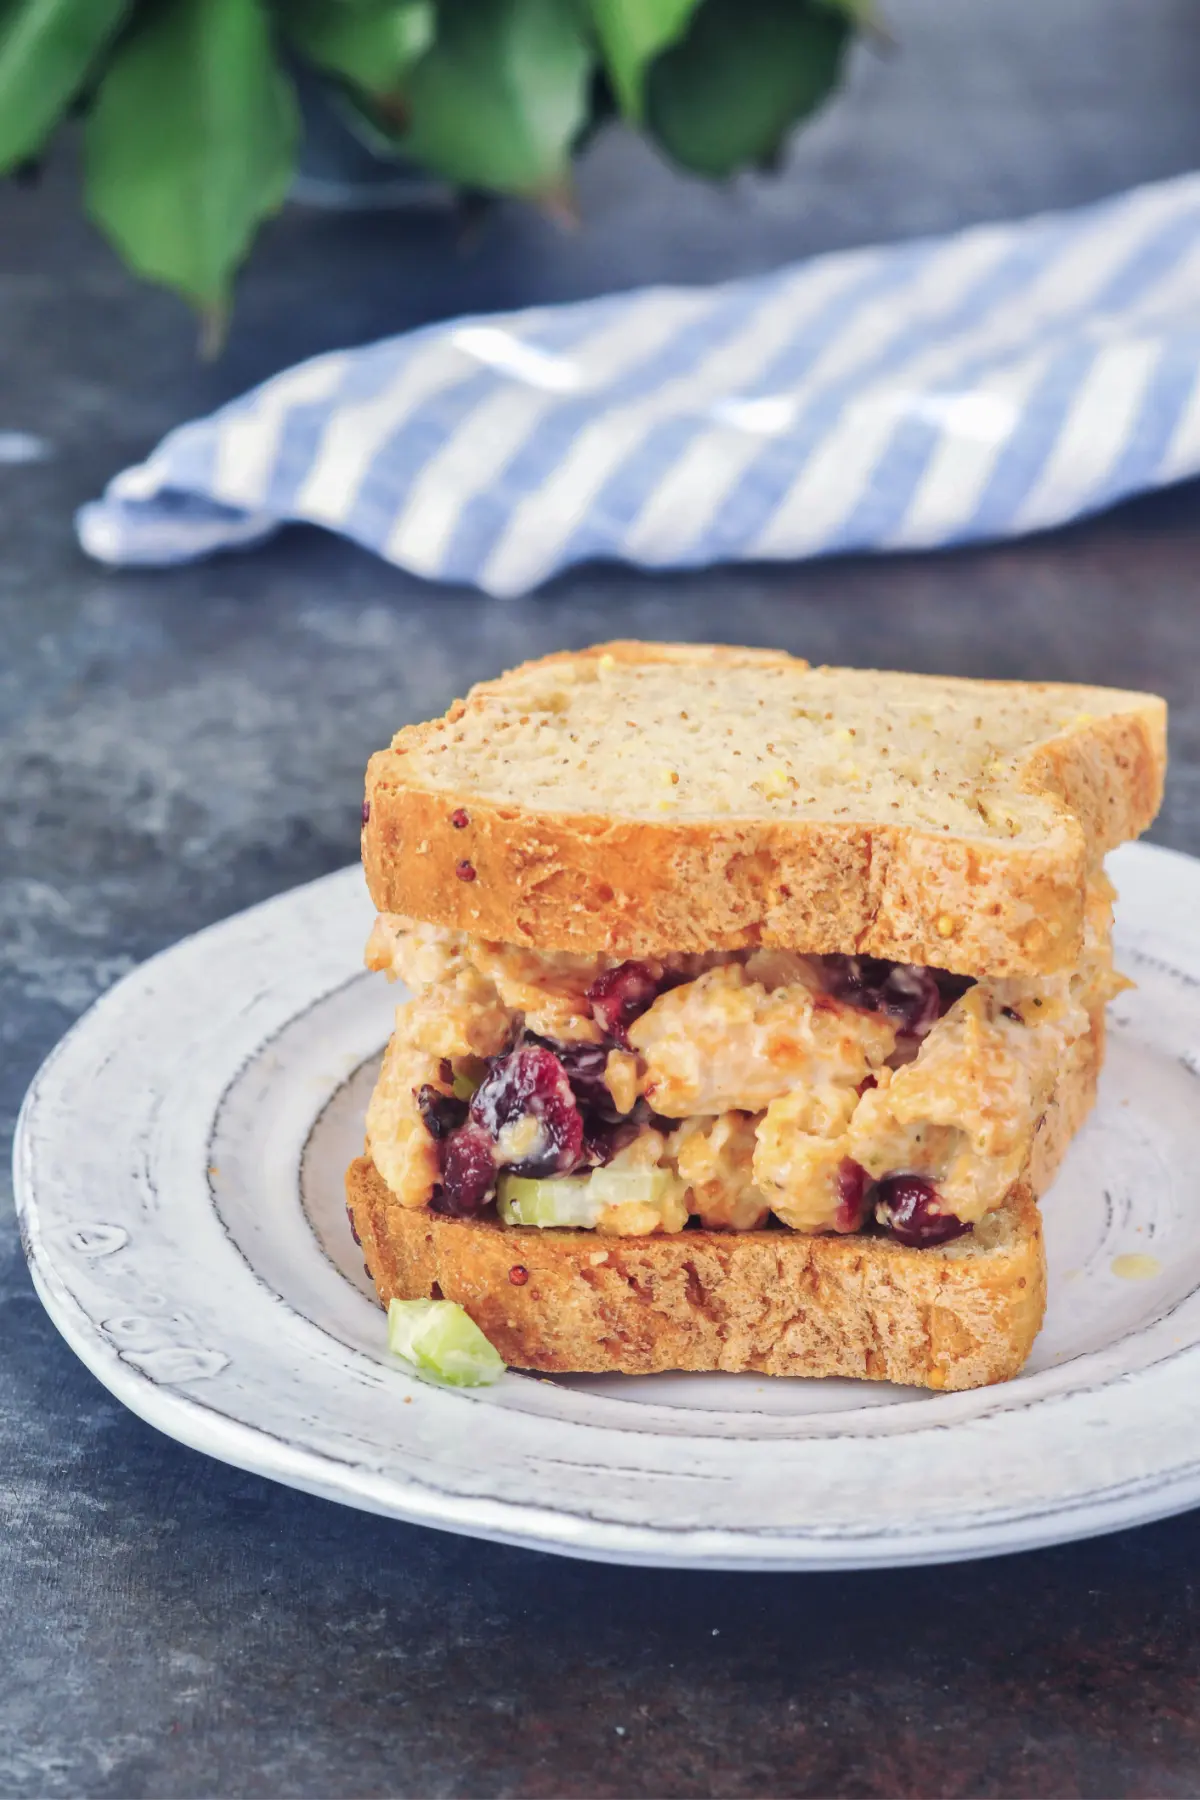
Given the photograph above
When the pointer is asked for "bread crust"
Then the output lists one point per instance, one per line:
(595, 883)
(775, 1302)
(772, 1302)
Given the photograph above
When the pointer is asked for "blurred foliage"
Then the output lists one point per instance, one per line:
(192, 126)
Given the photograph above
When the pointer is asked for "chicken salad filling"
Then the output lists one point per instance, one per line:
(734, 1090)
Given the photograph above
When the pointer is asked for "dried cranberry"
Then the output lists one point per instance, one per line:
(951, 987)
(916, 997)
(465, 871)
(911, 996)
(460, 818)
(605, 1130)
(605, 1138)
(442, 1113)
(468, 1173)
(531, 1083)
(585, 1065)
(846, 978)
(518, 1274)
(366, 812)
(353, 1227)
(852, 1182)
(908, 1207)
(620, 996)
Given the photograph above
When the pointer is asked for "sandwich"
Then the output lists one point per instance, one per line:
(753, 1007)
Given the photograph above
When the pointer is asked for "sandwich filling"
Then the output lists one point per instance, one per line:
(829, 1093)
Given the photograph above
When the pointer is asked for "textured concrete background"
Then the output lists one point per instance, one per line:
(175, 746)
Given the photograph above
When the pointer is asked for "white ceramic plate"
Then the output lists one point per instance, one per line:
(179, 1181)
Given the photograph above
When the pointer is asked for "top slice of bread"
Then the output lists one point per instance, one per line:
(636, 799)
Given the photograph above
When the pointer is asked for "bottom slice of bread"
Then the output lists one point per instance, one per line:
(775, 1302)
(778, 1302)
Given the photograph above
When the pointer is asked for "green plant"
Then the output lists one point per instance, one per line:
(191, 120)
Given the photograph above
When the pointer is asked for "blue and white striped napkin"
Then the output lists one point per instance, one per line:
(975, 386)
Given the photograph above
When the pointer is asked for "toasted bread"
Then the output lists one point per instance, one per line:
(642, 799)
(777, 1302)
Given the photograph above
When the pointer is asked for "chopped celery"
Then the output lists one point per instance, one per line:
(440, 1339)
(649, 1186)
(464, 1086)
(558, 1200)
(579, 1200)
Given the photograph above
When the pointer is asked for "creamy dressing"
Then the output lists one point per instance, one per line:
(775, 1083)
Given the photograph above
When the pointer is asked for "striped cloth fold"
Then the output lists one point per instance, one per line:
(974, 386)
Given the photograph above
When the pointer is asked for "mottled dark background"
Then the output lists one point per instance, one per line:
(174, 746)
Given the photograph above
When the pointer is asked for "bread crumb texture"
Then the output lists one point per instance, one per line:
(640, 797)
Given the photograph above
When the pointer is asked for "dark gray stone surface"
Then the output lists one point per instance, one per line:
(174, 746)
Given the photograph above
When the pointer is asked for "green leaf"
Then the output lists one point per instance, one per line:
(632, 33)
(190, 144)
(47, 48)
(863, 13)
(746, 72)
(371, 46)
(499, 99)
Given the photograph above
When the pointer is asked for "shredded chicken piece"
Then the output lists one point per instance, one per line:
(964, 1112)
(798, 1169)
(401, 1148)
(726, 1043)
(549, 990)
(716, 1159)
